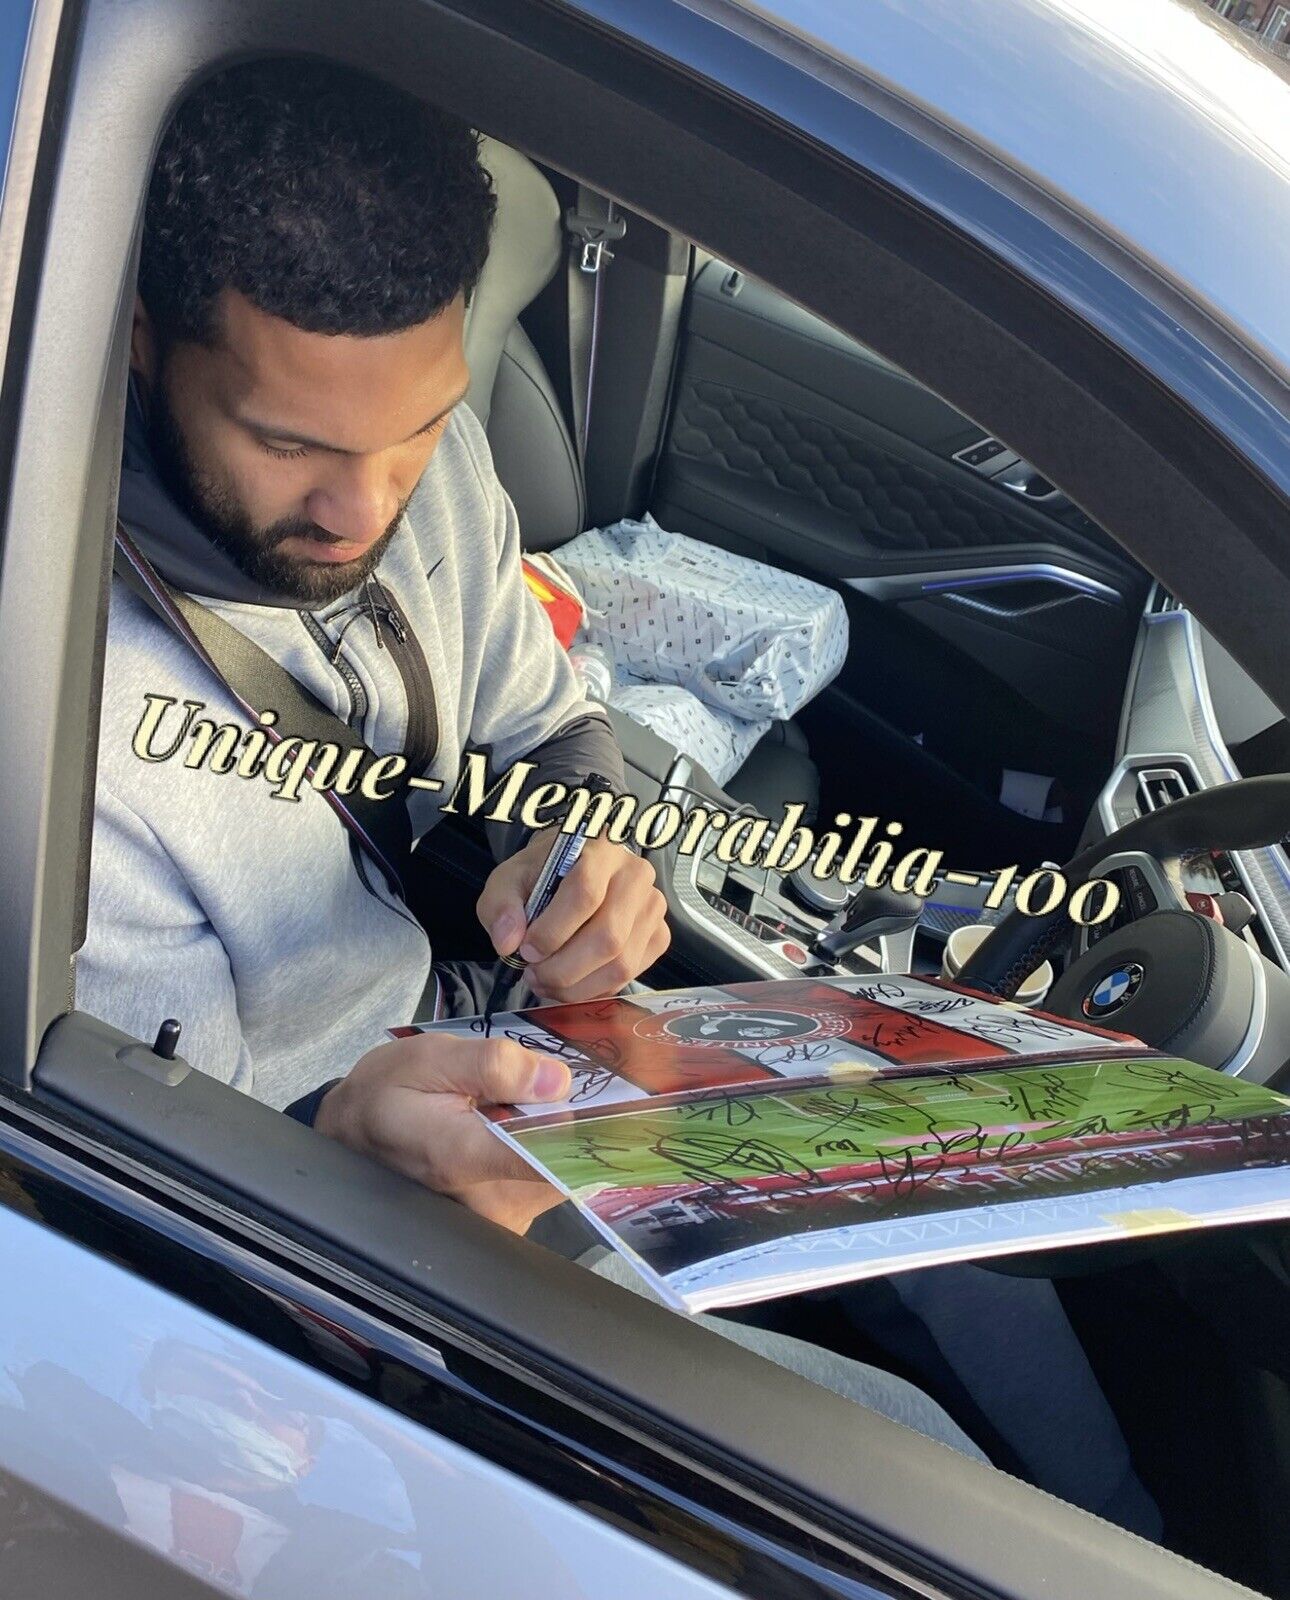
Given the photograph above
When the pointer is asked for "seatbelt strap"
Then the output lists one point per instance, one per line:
(259, 683)
(593, 227)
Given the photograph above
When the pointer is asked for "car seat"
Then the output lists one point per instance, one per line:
(532, 446)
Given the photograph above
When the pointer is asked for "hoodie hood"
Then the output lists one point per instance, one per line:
(170, 539)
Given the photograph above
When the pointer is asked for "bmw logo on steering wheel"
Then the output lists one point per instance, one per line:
(1114, 990)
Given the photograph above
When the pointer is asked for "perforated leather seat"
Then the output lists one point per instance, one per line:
(534, 453)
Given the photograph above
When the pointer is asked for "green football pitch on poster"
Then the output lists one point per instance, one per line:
(804, 1132)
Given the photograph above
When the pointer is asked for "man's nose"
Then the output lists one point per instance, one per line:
(358, 501)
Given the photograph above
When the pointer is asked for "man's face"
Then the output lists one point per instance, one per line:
(296, 453)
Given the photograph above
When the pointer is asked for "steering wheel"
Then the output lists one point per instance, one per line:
(1176, 980)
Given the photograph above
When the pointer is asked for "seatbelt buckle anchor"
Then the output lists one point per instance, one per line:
(596, 233)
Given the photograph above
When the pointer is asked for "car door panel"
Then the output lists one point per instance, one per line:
(796, 445)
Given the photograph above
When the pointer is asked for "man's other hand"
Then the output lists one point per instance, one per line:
(410, 1104)
(605, 926)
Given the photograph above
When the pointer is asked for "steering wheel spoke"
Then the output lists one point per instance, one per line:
(1147, 883)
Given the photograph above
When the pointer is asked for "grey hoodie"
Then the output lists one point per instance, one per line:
(256, 920)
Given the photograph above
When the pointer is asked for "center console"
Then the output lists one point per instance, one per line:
(734, 923)
(751, 922)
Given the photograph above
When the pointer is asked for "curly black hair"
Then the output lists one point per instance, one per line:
(326, 197)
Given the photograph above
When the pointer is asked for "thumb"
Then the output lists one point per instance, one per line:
(500, 908)
(494, 1072)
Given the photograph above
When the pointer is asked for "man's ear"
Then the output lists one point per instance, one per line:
(143, 345)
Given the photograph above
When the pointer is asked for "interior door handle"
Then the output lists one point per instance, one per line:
(904, 586)
(1024, 480)
(997, 604)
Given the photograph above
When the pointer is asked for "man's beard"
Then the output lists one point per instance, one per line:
(225, 523)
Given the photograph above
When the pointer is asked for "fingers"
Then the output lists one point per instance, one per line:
(608, 979)
(621, 937)
(437, 1140)
(425, 1125)
(514, 1203)
(577, 899)
(410, 1105)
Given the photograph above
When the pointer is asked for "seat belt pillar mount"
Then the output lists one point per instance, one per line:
(596, 233)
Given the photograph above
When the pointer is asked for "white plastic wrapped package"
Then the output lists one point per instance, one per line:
(718, 740)
(707, 648)
(744, 637)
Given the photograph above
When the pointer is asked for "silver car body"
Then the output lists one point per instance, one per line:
(92, 1339)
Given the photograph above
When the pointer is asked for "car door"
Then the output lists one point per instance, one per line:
(796, 444)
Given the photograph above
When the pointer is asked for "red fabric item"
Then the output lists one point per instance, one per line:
(560, 606)
(206, 1535)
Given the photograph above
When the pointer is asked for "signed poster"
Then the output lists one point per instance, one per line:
(741, 1143)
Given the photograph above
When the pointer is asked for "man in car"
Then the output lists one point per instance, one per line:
(298, 457)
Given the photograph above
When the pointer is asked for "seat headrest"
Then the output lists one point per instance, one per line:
(526, 247)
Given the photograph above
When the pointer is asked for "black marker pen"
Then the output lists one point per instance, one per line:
(557, 866)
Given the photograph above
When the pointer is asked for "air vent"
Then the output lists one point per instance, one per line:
(1159, 786)
(1161, 601)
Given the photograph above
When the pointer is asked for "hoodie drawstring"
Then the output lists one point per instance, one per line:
(365, 605)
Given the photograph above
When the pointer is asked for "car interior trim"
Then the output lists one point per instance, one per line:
(1254, 1036)
(1191, 345)
(18, 176)
(886, 952)
(683, 879)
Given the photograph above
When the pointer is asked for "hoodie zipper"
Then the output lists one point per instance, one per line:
(391, 632)
(354, 719)
(422, 742)
(353, 683)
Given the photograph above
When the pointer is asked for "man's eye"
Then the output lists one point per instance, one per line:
(436, 426)
(283, 455)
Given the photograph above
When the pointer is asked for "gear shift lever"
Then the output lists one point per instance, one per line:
(871, 913)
